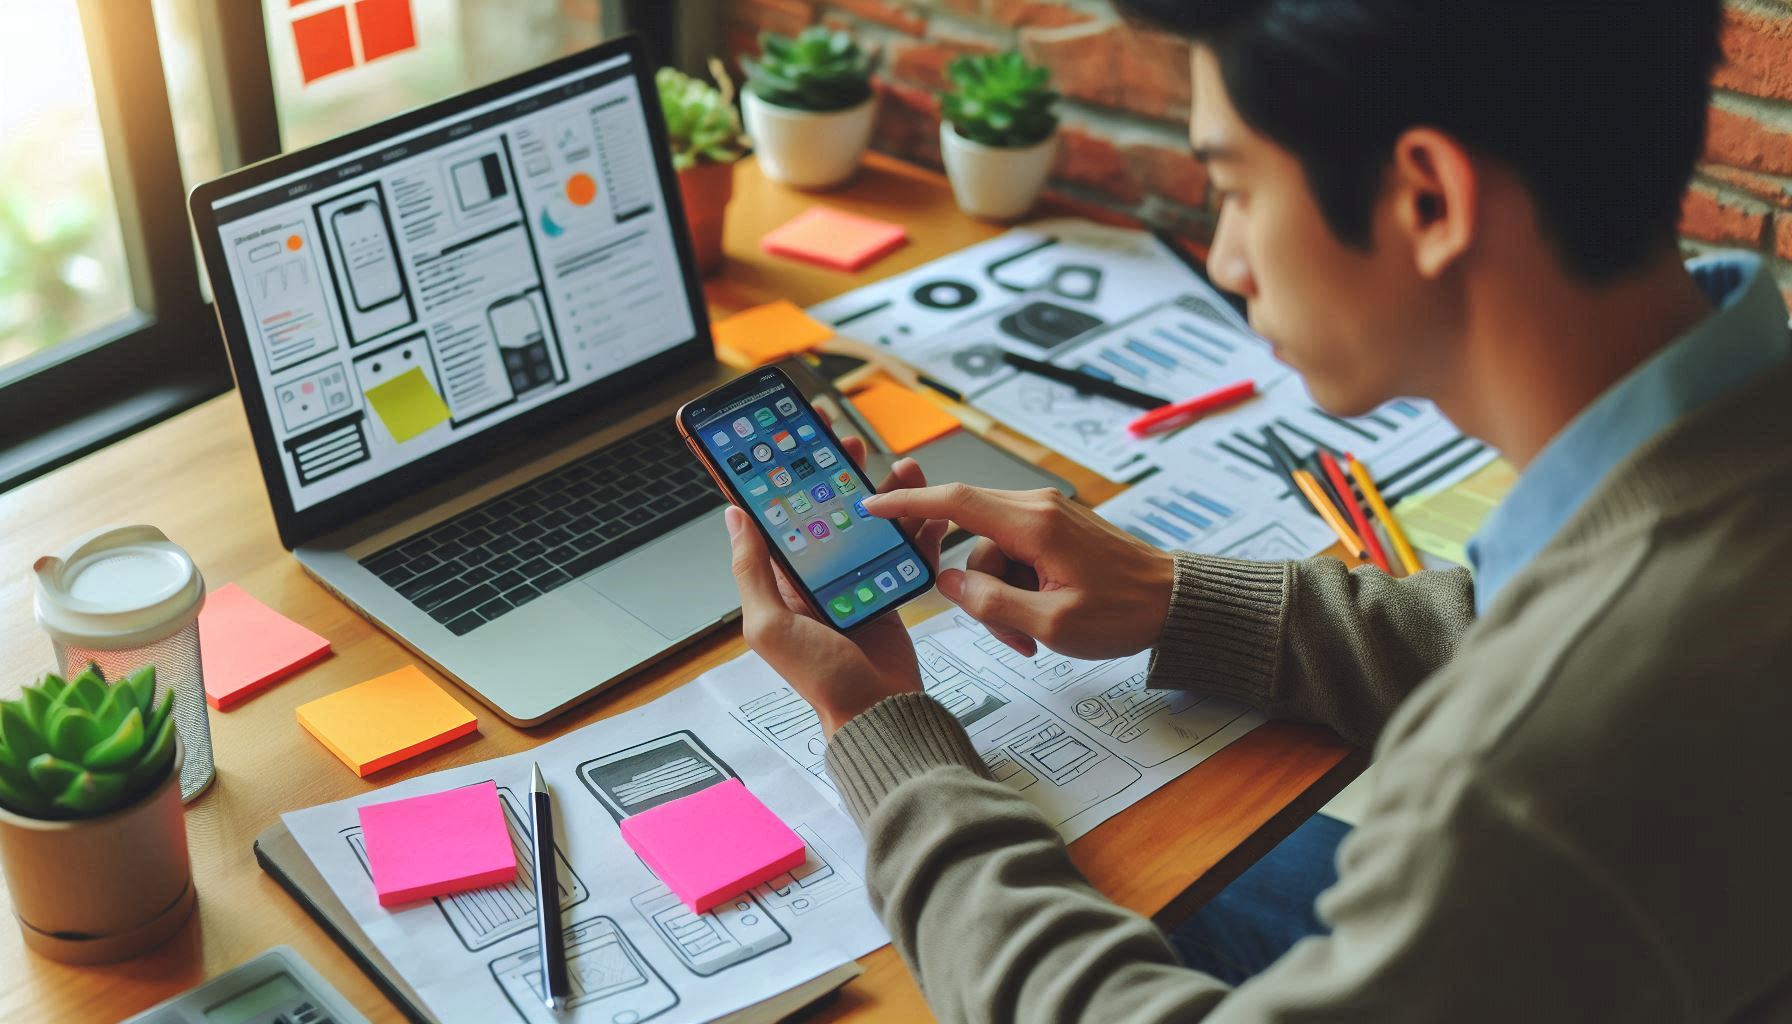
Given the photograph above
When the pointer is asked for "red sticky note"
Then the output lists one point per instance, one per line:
(835, 239)
(437, 844)
(322, 40)
(713, 844)
(246, 647)
(386, 27)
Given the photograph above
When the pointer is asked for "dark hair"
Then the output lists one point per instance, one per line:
(1598, 106)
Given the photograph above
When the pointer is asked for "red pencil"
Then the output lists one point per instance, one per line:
(1355, 509)
(1173, 415)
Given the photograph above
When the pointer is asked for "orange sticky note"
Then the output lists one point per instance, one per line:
(765, 334)
(904, 419)
(246, 647)
(381, 722)
(835, 239)
(386, 27)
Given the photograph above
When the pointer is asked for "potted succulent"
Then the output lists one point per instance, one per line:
(704, 131)
(998, 133)
(809, 106)
(92, 839)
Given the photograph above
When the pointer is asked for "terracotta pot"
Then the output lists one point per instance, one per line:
(806, 149)
(706, 189)
(101, 889)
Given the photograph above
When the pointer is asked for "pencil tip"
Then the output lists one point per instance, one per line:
(536, 783)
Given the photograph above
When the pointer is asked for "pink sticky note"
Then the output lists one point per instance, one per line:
(835, 239)
(715, 843)
(246, 647)
(439, 843)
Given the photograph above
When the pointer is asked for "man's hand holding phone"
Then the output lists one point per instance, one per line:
(1045, 569)
(839, 675)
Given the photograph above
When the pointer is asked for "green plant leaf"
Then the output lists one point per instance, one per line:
(51, 773)
(22, 798)
(86, 690)
(159, 713)
(52, 685)
(36, 705)
(143, 684)
(90, 794)
(17, 734)
(72, 732)
(120, 699)
(158, 754)
(119, 749)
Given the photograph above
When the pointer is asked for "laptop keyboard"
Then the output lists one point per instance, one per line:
(469, 570)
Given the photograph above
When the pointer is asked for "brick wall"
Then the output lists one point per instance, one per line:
(1127, 95)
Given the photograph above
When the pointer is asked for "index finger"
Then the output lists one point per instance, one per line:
(997, 515)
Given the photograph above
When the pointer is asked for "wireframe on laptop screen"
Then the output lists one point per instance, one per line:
(410, 294)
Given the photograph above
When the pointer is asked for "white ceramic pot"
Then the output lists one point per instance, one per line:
(805, 149)
(995, 182)
(101, 889)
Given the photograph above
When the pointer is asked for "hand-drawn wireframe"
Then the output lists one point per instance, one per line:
(481, 917)
(652, 773)
(365, 271)
(1155, 725)
(822, 877)
(716, 940)
(611, 979)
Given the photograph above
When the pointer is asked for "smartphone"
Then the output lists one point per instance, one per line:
(366, 248)
(775, 457)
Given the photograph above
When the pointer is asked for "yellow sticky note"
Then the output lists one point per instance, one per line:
(381, 722)
(407, 404)
(1442, 522)
(767, 333)
(904, 419)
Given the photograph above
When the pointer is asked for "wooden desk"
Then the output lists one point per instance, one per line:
(197, 478)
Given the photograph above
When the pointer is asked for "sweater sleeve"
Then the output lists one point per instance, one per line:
(1436, 916)
(1310, 640)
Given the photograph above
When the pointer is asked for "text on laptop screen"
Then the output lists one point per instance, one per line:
(406, 296)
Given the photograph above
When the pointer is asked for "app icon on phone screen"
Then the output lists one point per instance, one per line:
(739, 463)
(762, 452)
(786, 406)
(780, 478)
(764, 418)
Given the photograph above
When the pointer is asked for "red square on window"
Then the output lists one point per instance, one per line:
(386, 27)
(322, 40)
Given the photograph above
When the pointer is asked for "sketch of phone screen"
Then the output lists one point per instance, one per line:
(522, 343)
(737, 930)
(610, 978)
(367, 253)
(649, 774)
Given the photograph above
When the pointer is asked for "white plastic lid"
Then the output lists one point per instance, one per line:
(117, 588)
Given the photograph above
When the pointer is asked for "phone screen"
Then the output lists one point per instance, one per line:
(787, 470)
(367, 249)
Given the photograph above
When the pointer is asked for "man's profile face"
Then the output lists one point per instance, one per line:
(1333, 312)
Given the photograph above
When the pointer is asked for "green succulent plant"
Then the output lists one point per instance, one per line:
(1000, 100)
(819, 70)
(80, 748)
(701, 122)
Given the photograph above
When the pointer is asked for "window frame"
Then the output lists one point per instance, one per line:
(167, 354)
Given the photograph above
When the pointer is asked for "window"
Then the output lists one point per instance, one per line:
(105, 325)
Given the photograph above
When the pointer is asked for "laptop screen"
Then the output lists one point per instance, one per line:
(408, 295)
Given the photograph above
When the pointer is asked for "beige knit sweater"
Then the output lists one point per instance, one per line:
(1583, 808)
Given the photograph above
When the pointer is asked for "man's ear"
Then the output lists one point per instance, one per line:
(1436, 196)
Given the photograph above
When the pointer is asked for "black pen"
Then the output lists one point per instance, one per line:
(554, 988)
(1087, 383)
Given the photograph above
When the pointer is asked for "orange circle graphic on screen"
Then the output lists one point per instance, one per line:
(580, 189)
(293, 242)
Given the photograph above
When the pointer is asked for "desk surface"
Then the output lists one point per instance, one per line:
(197, 478)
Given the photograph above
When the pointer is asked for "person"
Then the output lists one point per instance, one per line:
(1581, 808)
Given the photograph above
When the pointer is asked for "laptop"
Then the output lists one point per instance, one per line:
(459, 336)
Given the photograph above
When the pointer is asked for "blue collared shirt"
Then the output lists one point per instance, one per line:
(1744, 337)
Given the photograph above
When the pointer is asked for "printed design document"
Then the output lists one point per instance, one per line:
(1082, 740)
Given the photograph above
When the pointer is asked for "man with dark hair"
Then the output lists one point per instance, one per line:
(1581, 808)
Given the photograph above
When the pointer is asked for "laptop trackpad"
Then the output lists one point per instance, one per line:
(680, 583)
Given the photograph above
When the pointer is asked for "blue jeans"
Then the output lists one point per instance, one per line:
(1266, 910)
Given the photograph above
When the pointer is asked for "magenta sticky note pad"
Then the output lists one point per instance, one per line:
(438, 843)
(713, 844)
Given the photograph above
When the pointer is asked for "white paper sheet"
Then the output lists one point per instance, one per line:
(1081, 740)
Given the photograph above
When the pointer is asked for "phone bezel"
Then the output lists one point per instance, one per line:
(724, 394)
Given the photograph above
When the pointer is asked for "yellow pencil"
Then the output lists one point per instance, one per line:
(1408, 558)
(1329, 512)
